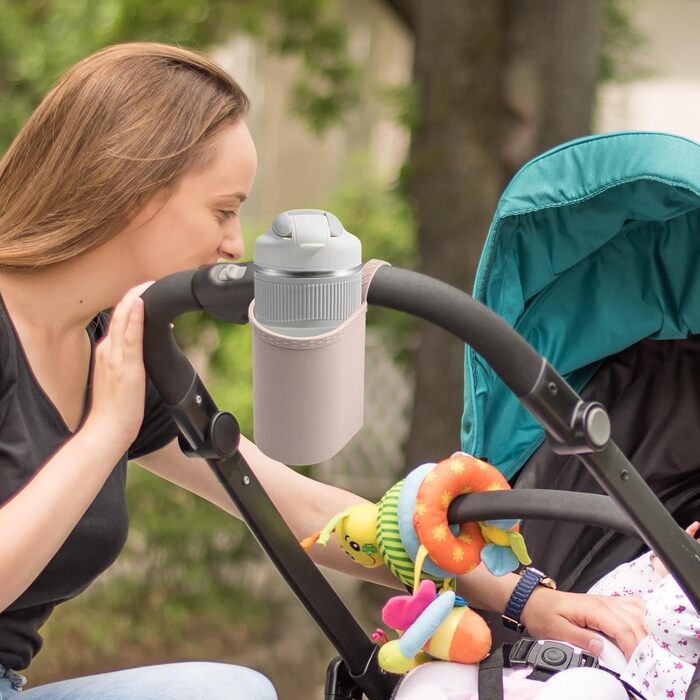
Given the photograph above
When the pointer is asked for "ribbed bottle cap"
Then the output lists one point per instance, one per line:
(308, 273)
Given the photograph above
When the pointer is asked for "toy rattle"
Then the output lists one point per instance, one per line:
(408, 531)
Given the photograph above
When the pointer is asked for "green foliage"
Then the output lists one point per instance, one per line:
(621, 43)
(331, 83)
(404, 104)
(41, 38)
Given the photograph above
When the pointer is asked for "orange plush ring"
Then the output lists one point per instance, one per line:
(450, 478)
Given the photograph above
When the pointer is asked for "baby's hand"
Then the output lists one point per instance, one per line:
(660, 569)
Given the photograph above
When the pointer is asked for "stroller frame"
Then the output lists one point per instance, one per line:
(572, 425)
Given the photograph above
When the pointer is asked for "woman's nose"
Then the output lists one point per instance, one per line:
(232, 247)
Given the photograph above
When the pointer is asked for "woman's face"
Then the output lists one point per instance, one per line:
(199, 223)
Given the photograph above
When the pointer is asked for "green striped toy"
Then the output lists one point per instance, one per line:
(391, 548)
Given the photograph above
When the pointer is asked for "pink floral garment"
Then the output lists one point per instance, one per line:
(663, 663)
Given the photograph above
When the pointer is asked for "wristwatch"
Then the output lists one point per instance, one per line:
(530, 578)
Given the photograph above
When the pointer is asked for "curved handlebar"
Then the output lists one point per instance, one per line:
(513, 359)
(224, 290)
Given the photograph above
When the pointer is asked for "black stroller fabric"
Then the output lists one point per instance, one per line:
(651, 393)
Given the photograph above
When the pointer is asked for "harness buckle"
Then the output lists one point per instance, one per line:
(549, 657)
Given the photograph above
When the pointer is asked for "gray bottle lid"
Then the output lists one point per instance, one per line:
(309, 240)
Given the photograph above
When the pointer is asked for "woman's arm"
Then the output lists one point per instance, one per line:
(307, 505)
(37, 520)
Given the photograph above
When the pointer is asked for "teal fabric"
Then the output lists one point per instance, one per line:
(594, 246)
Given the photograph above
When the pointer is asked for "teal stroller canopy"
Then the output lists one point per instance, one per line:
(595, 246)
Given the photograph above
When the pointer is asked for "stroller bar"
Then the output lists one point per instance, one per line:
(541, 504)
(521, 368)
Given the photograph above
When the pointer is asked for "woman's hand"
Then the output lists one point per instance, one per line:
(575, 617)
(119, 379)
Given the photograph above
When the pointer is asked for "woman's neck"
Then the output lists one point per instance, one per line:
(59, 300)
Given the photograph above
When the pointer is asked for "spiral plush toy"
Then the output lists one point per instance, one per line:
(408, 531)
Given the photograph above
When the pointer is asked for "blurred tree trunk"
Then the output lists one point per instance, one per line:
(497, 82)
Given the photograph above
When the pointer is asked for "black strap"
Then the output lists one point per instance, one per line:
(540, 675)
(491, 673)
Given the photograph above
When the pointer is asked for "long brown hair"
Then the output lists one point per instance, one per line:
(117, 128)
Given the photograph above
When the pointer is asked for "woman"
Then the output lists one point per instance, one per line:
(135, 166)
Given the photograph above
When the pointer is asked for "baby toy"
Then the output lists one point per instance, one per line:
(408, 531)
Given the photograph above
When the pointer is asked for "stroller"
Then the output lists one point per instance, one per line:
(615, 218)
(593, 257)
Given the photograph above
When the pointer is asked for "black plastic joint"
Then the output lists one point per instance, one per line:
(339, 684)
(222, 439)
(204, 431)
(224, 434)
(573, 426)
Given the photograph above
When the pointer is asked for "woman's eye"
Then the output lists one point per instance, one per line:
(228, 214)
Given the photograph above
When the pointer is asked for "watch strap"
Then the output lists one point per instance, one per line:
(529, 580)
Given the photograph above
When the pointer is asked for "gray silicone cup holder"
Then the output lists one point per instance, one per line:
(308, 393)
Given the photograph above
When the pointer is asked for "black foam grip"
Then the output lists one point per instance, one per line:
(542, 504)
(513, 359)
(166, 364)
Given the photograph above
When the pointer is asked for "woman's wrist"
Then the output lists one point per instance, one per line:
(533, 603)
(100, 435)
(485, 591)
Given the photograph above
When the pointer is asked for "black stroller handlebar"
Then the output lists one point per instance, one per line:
(223, 290)
(541, 504)
(572, 426)
(513, 359)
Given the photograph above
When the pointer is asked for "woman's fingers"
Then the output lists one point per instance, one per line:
(122, 319)
(623, 623)
(133, 336)
(573, 618)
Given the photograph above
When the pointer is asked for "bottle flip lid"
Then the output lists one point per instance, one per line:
(308, 240)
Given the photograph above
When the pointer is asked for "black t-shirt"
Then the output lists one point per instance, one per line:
(31, 431)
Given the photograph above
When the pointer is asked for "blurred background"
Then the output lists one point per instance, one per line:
(407, 120)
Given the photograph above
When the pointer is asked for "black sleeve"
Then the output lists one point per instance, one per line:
(158, 427)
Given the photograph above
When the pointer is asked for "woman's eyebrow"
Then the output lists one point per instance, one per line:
(233, 195)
